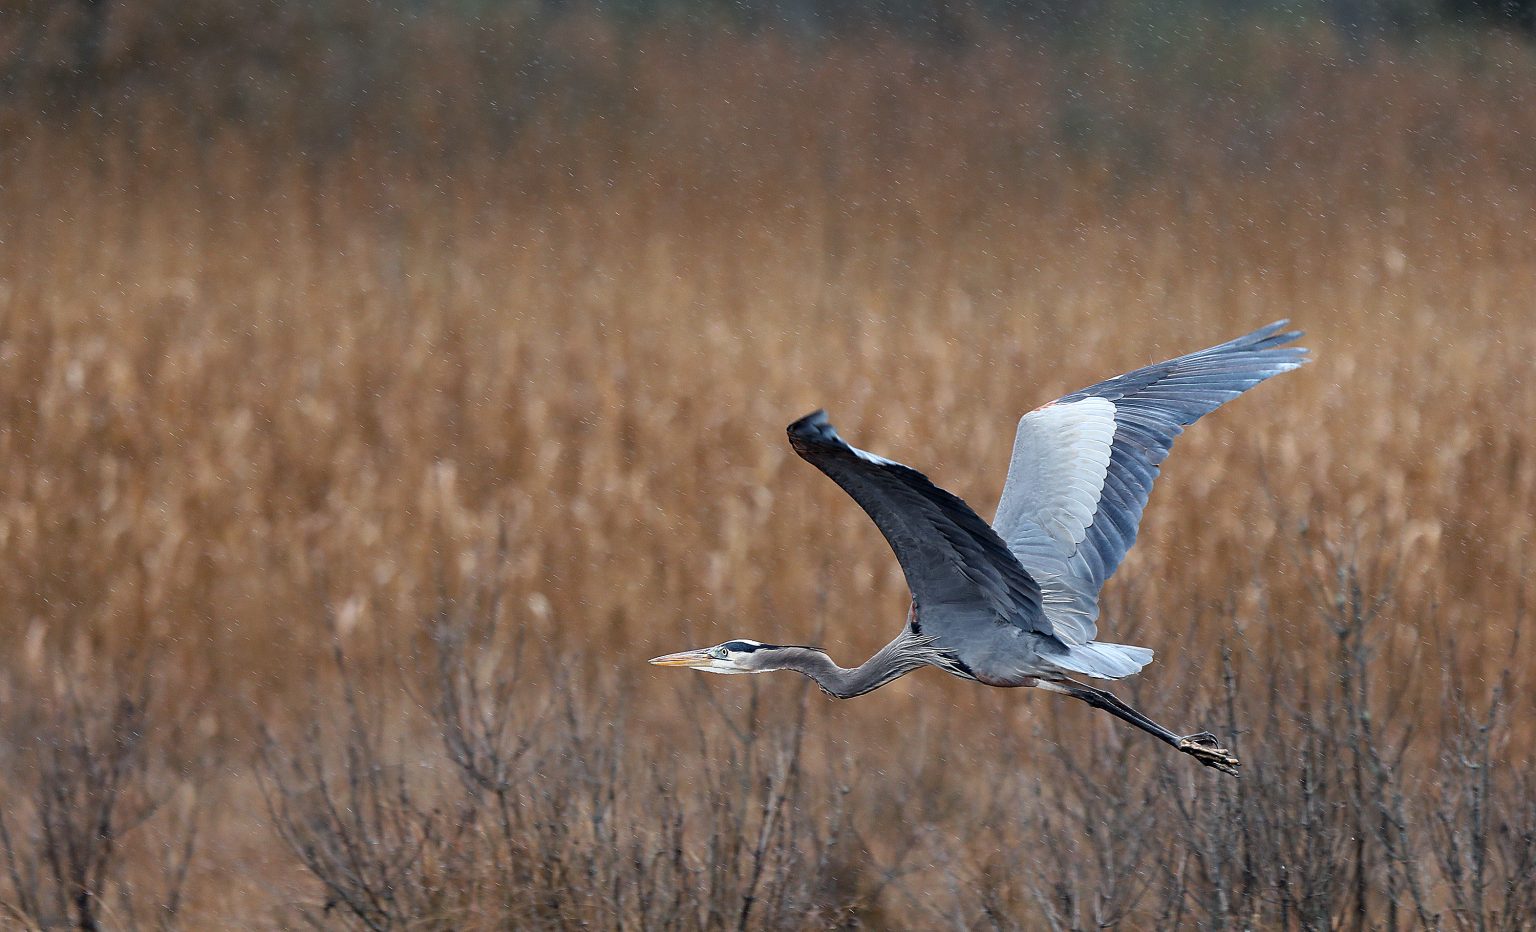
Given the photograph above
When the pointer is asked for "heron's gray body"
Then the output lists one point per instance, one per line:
(1016, 603)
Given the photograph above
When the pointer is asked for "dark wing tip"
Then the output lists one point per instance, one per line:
(1268, 346)
(814, 430)
(817, 418)
(1273, 336)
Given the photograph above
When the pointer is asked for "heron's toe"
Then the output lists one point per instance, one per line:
(1203, 748)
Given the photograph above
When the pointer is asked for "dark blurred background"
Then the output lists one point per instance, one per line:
(230, 60)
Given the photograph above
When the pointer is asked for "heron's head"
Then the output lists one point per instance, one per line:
(739, 656)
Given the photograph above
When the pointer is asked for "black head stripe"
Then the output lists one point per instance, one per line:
(747, 647)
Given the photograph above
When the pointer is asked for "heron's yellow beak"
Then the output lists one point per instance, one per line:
(687, 658)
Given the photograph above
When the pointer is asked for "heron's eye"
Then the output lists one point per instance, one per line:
(718, 653)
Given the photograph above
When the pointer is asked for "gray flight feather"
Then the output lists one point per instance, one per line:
(1083, 466)
(965, 583)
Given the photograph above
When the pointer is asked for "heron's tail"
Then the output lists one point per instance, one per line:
(1106, 661)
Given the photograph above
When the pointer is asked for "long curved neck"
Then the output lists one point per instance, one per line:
(899, 657)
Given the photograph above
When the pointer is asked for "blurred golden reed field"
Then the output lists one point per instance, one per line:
(345, 487)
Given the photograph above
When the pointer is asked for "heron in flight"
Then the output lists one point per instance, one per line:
(1017, 603)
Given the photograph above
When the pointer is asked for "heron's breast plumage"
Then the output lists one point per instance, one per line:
(997, 655)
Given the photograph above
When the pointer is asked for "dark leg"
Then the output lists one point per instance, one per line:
(1201, 747)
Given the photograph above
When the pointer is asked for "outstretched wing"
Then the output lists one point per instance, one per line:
(960, 572)
(1083, 466)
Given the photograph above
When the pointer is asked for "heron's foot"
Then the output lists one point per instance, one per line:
(1204, 748)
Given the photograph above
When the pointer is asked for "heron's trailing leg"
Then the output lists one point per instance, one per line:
(1202, 746)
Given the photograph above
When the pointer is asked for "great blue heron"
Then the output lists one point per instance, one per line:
(1016, 604)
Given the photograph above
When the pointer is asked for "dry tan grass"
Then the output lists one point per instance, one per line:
(254, 404)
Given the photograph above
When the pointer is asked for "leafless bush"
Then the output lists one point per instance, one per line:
(85, 773)
(372, 831)
(533, 811)
(1481, 838)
